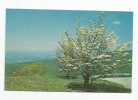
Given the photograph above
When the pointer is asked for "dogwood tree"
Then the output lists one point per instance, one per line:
(93, 52)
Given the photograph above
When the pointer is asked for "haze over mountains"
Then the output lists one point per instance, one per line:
(27, 56)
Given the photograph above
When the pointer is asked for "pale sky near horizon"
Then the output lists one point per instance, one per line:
(39, 30)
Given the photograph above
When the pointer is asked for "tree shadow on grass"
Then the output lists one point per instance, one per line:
(108, 87)
(65, 77)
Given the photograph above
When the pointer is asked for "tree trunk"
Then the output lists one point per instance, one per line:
(86, 81)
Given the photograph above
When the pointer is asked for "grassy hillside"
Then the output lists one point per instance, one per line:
(49, 83)
(44, 76)
(51, 65)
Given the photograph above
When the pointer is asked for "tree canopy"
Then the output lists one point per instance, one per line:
(93, 52)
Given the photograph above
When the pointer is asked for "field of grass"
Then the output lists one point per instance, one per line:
(53, 80)
(54, 84)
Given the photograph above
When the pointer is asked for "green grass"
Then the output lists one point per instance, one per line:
(52, 80)
(36, 83)
(54, 84)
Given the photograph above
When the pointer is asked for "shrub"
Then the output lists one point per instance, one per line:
(34, 68)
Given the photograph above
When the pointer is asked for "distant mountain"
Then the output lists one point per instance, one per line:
(27, 56)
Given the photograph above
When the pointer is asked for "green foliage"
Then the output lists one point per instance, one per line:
(34, 68)
(127, 68)
(124, 69)
(10, 68)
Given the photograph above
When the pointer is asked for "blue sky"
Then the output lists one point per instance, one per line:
(39, 30)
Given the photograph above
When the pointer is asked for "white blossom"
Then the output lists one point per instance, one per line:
(129, 60)
(69, 65)
(104, 56)
(75, 67)
(88, 64)
(60, 69)
(114, 64)
(107, 59)
(125, 54)
(95, 61)
(118, 60)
